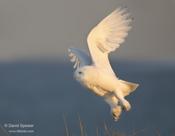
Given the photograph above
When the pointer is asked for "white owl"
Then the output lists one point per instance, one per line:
(95, 72)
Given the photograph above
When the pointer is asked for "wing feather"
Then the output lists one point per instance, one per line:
(107, 37)
(78, 57)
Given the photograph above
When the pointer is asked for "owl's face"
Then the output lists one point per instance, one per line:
(84, 74)
(79, 74)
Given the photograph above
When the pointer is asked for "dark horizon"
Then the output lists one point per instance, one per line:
(41, 93)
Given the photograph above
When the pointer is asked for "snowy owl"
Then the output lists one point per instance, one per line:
(95, 72)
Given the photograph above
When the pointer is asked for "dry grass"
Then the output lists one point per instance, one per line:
(105, 130)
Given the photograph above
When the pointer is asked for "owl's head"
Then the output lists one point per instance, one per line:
(84, 74)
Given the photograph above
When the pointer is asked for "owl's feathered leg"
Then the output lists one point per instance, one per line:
(126, 105)
(116, 109)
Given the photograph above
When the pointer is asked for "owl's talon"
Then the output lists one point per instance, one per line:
(126, 105)
(116, 112)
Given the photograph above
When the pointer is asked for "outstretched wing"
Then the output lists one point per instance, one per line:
(78, 57)
(107, 37)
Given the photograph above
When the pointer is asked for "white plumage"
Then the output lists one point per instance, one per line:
(96, 73)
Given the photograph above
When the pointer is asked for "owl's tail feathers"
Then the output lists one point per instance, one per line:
(128, 87)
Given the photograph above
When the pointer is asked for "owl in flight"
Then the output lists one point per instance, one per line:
(95, 72)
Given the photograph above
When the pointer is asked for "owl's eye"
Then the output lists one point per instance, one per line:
(80, 72)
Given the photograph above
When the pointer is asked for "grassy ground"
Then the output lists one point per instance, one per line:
(105, 130)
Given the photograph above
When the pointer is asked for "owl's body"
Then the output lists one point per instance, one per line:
(97, 78)
(97, 74)
(106, 84)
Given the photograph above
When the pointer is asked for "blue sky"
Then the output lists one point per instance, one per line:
(39, 29)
